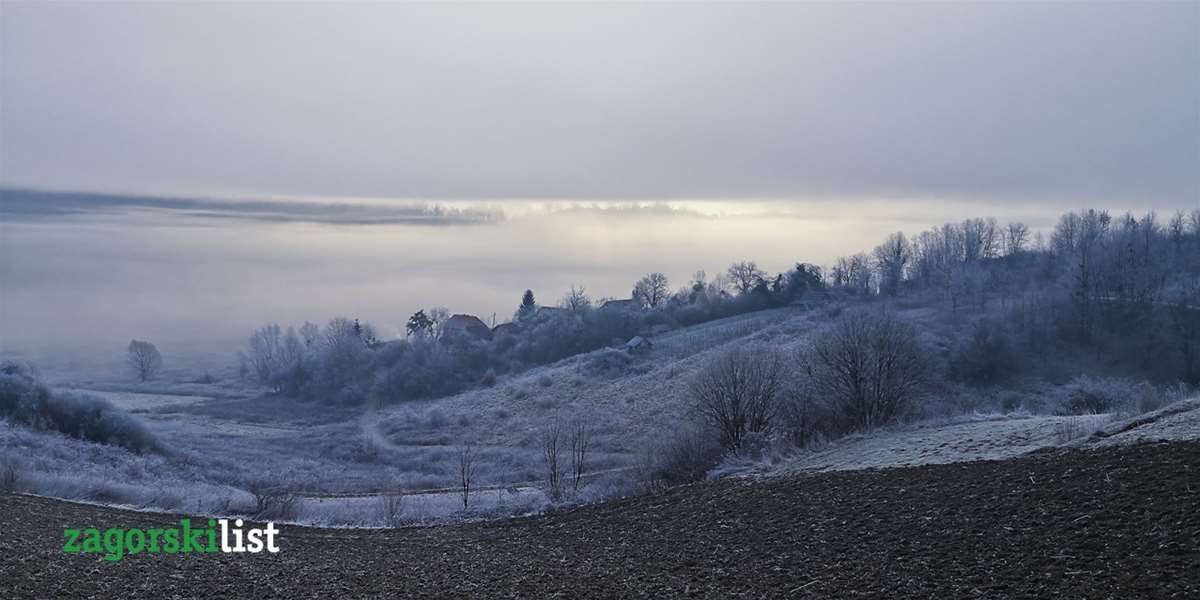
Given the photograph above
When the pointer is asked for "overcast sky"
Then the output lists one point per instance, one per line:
(1062, 103)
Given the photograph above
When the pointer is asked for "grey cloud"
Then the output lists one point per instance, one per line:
(33, 205)
(1066, 103)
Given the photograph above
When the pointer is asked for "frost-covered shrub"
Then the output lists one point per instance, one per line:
(986, 356)
(11, 474)
(273, 499)
(684, 458)
(1096, 395)
(872, 368)
(25, 400)
(609, 362)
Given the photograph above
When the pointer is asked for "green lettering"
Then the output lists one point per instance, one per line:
(141, 541)
(171, 541)
(191, 537)
(72, 545)
(114, 543)
(154, 535)
(91, 541)
(212, 536)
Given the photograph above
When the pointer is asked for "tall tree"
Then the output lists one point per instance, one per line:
(528, 305)
(892, 257)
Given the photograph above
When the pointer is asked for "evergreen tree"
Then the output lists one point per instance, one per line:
(419, 324)
(528, 305)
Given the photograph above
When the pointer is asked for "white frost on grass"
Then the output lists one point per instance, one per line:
(139, 402)
(991, 439)
(1174, 422)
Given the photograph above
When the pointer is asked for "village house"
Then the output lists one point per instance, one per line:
(466, 325)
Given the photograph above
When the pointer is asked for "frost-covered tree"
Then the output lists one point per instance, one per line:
(1015, 238)
(652, 290)
(745, 275)
(576, 300)
(144, 359)
(438, 316)
(892, 258)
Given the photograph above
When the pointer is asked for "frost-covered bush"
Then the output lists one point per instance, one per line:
(871, 368)
(1096, 395)
(987, 355)
(609, 362)
(684, 458)
(11, 474)
(26, 401)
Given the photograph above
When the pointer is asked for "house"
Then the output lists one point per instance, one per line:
(497, 330)
(626, 304)
(466, 325)
(550, 311)
(638, 344)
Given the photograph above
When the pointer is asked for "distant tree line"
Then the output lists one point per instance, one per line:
(1129, 285)
(346, 362)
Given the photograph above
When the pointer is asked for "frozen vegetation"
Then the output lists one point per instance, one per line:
(973, 342)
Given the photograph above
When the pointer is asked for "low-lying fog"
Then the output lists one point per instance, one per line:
(76, 276)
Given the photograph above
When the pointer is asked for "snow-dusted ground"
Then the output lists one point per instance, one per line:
(985, 439)
(995, 438)
(139, 402)
(1178, 421)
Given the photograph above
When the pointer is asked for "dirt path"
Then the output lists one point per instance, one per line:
(1110, 523)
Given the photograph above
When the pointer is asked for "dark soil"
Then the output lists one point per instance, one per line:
(1116, 523)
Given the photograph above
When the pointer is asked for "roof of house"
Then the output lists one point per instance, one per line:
(638, 342)
(618, 303)
(468, 324)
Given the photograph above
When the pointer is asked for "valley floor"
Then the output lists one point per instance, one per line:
(1120, 522)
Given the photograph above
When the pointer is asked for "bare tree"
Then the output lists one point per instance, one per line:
(438, 316)
(745, 275)
(892, 258)
(309, 334)
(1016, 237)
(581, 438)
(144, 360)
(652, 290)
(575, 299)
(870, 367)
(738, 393)
(466, 472)
(551, 438)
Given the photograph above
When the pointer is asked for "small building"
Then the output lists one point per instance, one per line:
(625, 304)
(466, 325)
(501, 328)
(638, 344)
(551, 311)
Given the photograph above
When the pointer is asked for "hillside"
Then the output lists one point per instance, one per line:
(626, 401)
(1115, 522)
